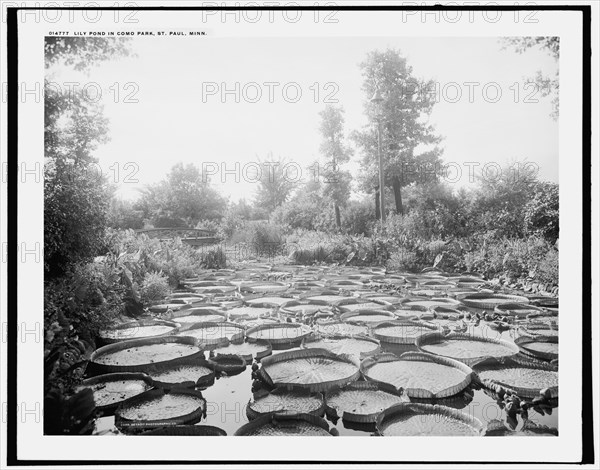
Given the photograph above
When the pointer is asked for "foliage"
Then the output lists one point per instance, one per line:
(262, 238)
(82, 53)
(541, 211)
(548, 86)
(123, 215)
(276, 182)
(335, 153)
(306, 210)
(182, 199)
(358, 217)
(213, 258)
(408, 142)
(155, 286)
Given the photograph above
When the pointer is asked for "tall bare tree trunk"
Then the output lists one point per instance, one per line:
(377, 210)
(398, 195)
(338, 217)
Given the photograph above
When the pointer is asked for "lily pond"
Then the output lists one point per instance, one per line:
(331, 350)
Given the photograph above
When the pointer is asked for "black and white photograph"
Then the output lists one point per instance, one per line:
(301, 221)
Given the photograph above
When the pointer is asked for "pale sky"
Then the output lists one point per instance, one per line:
(175, 119)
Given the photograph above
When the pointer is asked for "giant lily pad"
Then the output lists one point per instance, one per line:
(420, 375)
(156, 408)
(200, 315)
(526, 379)
(111, 390)
(249, 351)
(249, 313)
(137, 330)
(401, 331)
(367, 316)
(137, 355)
(491, 301)
(267, 301)
(416, 419)
(214, 333)
(285, 424)
(305, 307)
(362, 402)
(183, 373)
(517, 309)
(314, 370)
(429, 302)
(353, 305)
(540, 347)
(335, 328)
(469, 349)
(278, 333)
(283, 400)
(358, 346)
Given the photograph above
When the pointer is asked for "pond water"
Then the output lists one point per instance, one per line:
(229, 396)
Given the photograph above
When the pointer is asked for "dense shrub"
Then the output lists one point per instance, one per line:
(541, 211)
(75, 207)
(213, 258)
(76, 306)
(260, 237)
(358, 216)
(155, 286)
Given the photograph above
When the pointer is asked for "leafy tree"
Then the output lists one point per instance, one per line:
(75, 194)
(548, 86)
(276, 182)
(542, 211)
(337, 181)
(408, 142)
(499, 201)
(182, 199)
(122, 214)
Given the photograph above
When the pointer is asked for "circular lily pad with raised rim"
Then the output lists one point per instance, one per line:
(420, 375)
(157, 408)
(249, 312)
(305, 307)
(539, 329)
(491, 301)
(200, 315)
(368, 317)
(333, 298)
(416, 419)
(136, 355)
(525, 378)
(264, 287)
(183, 373)
(362, 402)
(315, 370)
(358, 304)
(429, 302)
(111, 390)
(232, 364)
(282, 400)
(256, 350)
(517, 309)
(539, 347)
(469, 349)
(285, 424)
(267, 301)
(165, 305)
(138, 330)
(401, 331)
(340, 328)
(279, 333)
(358, 346)
(213, 333)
